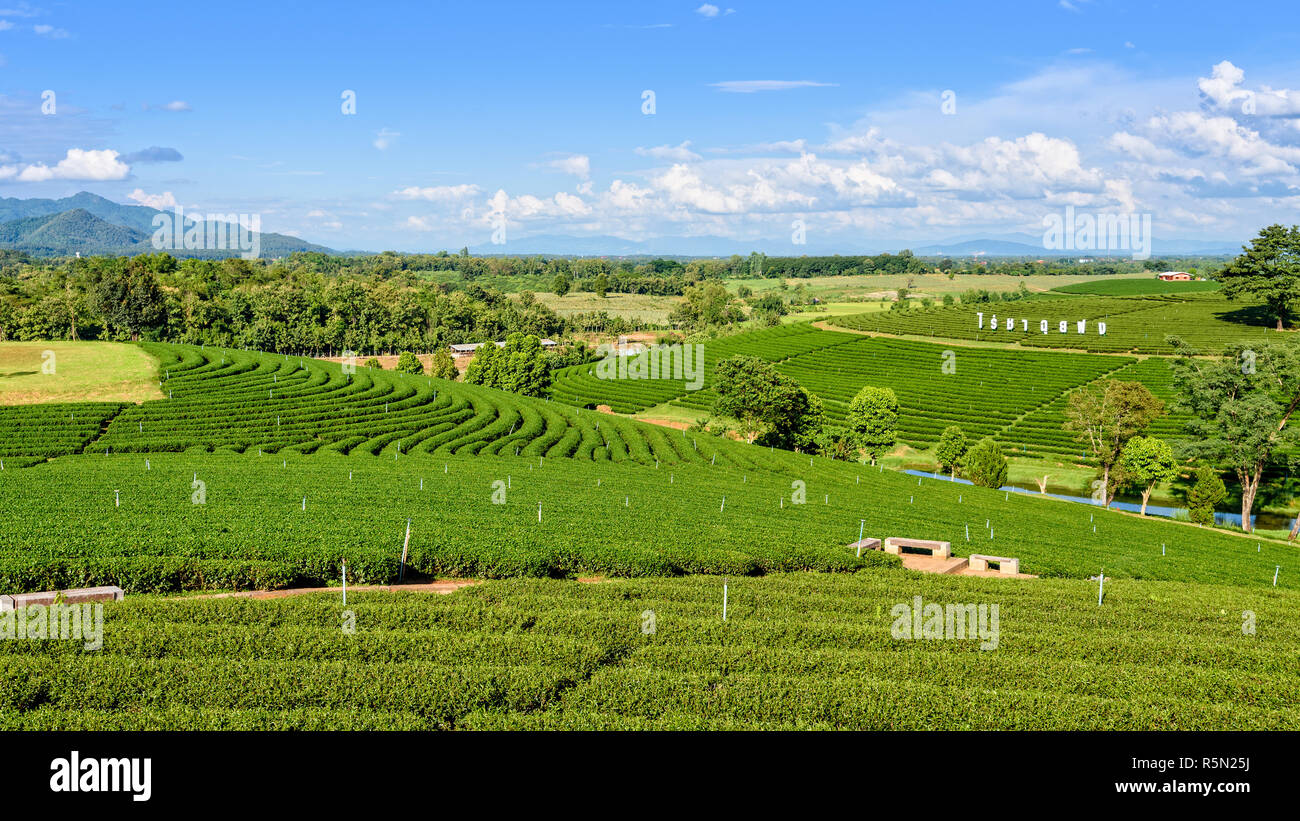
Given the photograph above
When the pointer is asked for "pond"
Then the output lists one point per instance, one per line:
(1268, 521)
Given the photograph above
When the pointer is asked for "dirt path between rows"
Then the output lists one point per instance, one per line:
(443, 587)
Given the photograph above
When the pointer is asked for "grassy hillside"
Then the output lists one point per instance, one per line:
(41, 372)
(1135, 324)
(1136, 287)
(285, 520)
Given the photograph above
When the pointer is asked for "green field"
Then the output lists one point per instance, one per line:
(53, 372)
(290, 520)
(796, 652)
(1136, 287)
(1134, 324)
(266, 471)
(1017, 397)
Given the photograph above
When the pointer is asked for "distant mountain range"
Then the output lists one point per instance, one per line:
(991, 245)
(88, 224)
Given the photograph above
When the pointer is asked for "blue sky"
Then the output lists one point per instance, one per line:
(827, 112)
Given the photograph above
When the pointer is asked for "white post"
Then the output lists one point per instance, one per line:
(539, 511)
(117, 502)
(862, 523)
(1101, 586)
(345, 582)
(401, 573)
(1276, 568)
(724, 598)
(723, 505)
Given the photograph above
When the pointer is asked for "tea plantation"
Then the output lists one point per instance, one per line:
(1134, 324)
(166, 522)
(263, 471)
(797, 651)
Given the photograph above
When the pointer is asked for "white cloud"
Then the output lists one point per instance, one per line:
(78, 165)
(437, 193)
(420, 223)
(1028, 166)
(708, 10)
(579, 165)
(50, 31)
(161, 201)
(751, 86)
(528, 207)
(1224, 91)
(5, 25)
(675, 153)
(384, 138)
(174, 105)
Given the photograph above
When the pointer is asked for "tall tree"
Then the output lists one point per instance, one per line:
(1146, 462)
(951, 449)
(561, 284)
(1105, 416)
(129, 300)
(1241, 403)
(873, 418)
(1269, 269)
(770, 407)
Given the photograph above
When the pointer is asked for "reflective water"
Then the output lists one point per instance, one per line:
(1270, 521)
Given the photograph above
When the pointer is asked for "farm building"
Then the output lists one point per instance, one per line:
(1174, 276)
(468, 348)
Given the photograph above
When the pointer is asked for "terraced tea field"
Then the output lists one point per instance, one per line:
(239, 402)
(290, 520)
(1106, 286)
(580, 386)
(796, 652)
(1018, 398)
(1134, 324)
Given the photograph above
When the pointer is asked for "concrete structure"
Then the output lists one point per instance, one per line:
(1174, 276)
(468, 348)
(46, 598)
(941, 550)
(866, 544)
(1006, 565)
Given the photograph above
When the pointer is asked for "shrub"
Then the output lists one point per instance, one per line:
(1205, 495)
(986, 466)
(408, 362)
(442, 366)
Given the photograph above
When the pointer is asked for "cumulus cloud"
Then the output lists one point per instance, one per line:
(708, 10)
(161, 201)
(77, 165)
(1082, 134)
(1029, 166)
(579, 165)
(1224, 91)
(50, 31)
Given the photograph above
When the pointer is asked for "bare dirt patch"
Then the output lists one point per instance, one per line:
(675, 424)
(442, 586)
